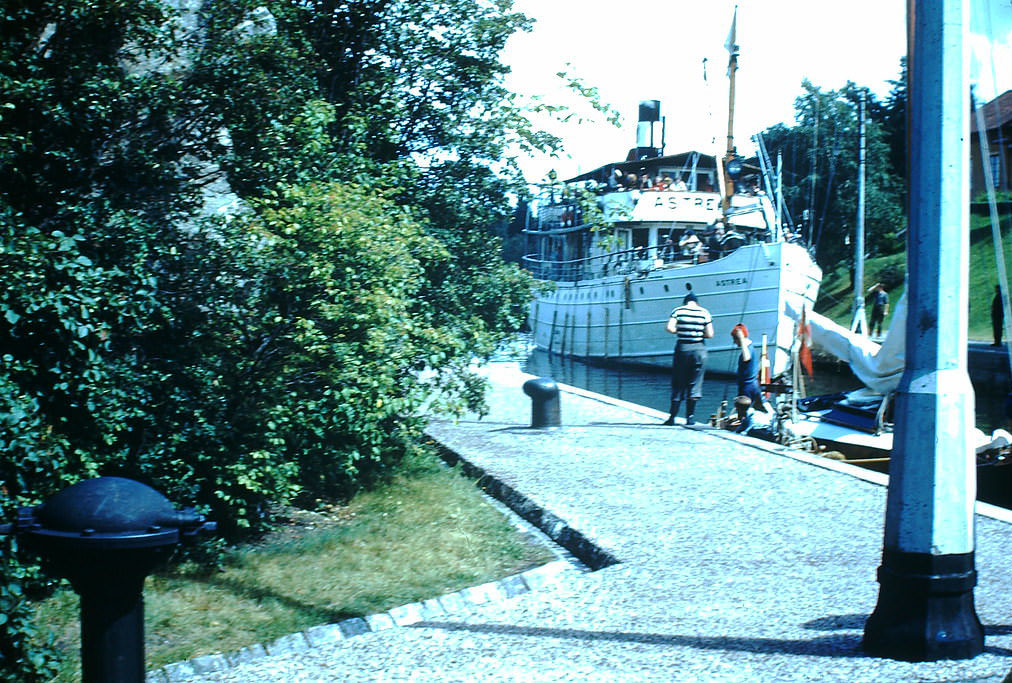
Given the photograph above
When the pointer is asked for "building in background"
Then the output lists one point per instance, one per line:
(998, 120)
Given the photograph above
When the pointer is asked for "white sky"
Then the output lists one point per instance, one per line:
(634, 50)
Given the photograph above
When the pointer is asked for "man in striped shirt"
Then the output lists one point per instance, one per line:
(692, 323)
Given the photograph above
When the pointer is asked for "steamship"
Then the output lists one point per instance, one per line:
(623, 244)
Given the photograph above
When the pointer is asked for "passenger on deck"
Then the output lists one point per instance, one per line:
(731, 241)
(668, 252)
(640, 262)
(714, 248)
(631, 181)
(689, 245)
(645, 182)
(663, 183)
(678, 185)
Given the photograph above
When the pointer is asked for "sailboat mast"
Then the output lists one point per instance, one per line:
(780, 192)
(858, 323)
(732, 68)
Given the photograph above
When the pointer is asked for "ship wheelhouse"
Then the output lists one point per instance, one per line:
(625, 242)
(650, 205)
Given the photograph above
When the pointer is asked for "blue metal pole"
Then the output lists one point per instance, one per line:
(925, 608)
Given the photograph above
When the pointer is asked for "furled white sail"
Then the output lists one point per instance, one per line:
(878, 366)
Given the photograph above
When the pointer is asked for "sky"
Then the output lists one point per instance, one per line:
(633, 50)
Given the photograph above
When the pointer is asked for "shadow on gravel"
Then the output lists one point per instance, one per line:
(855, 622)
(589, 425)
(843, 645)
(837, 622)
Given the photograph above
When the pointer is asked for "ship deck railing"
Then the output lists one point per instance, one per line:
(637, 262)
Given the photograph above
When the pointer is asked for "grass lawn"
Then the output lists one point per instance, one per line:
(836, 294)
(426, 532)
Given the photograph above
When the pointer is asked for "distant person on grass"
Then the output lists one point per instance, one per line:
(879, 308)
(692, 323)
(997, 316)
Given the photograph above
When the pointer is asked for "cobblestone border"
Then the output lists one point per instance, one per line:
(553, 526)
(460, 602)
(575, 553)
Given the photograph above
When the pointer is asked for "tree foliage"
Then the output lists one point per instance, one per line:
(282, 353)
(821, 155)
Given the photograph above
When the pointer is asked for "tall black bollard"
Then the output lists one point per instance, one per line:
(545, 410)
(106, 535)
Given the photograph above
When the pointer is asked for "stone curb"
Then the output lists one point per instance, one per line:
(584, 549)
(462, 601)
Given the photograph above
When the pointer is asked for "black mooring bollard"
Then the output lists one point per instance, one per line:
(545, 410)
(106, 535)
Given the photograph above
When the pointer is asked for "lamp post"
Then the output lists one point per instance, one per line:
(925, 607)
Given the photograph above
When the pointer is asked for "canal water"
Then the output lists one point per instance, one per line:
(652, 388)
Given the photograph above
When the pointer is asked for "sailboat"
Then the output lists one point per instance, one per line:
(858, 425)
(674, 223)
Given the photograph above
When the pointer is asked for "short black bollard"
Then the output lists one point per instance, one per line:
(106, 535)
(545, 410)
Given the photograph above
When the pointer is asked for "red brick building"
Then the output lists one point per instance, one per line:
(998, 121)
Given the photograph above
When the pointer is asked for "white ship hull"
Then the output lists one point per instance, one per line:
(621, 318)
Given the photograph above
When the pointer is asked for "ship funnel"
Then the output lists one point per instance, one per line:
(649, 116)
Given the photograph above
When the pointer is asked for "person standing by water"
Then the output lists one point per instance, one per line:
(692, 323)
(879, 308)
(748, 368)
(997, 316)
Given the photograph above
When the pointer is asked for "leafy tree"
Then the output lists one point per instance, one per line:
(285, 352)
(408, 96)
(421, 106)
(894, 122)
(255, 88)
(820, 156)
(90, 174)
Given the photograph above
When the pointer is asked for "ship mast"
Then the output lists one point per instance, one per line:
(729, 156)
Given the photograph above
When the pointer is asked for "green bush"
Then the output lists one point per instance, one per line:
(892, 275)
(281, 354)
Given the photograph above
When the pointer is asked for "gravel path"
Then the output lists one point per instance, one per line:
(723, 559)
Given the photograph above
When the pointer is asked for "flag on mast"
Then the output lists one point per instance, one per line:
(805, 334)
(731, 44)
